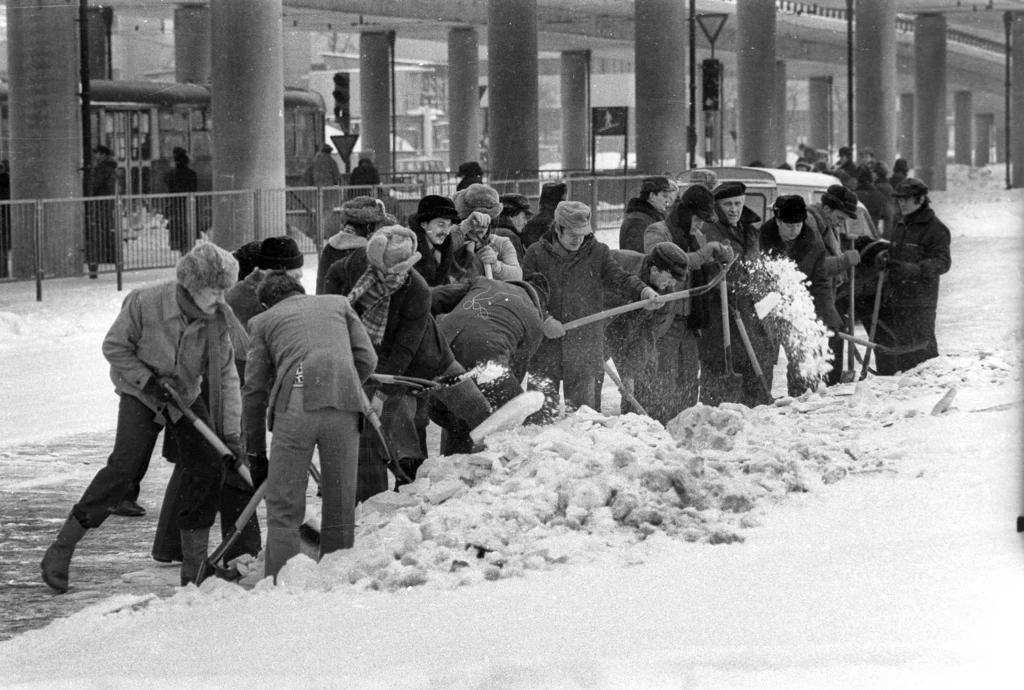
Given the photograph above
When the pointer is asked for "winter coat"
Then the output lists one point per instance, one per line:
(181, 179)
(677, 228)
(324, 335)
(241, 297)
(502, 227)
(336, 249)
(490, 320)
(151, 337)
(323, 171)
(875, 202)
(468, 180)
(412, 345)
(813, 260)
(919, 254)
(577, 282)
(632, 337)
(507, 267)
(639, 214)
(104, 179)
(365, 174)
(540, 224)
(435, 271)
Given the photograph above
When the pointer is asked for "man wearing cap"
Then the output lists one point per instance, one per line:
(675, 387)
(515, 213)
(918, 255)
(322, 170)
(360, 217)
(578, 269)
(475, 245)
(845, 162)
(734, 227)
(432, 225)
(656, 195)
(307, 360)
(551, 194)
(789, 235)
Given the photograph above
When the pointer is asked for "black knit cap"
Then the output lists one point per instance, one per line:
(790, 208)
(514, 204)
(435, 206)
(279, 253)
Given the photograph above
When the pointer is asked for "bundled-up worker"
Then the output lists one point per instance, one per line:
(734, 228)
(656, 196)
(578, 268)
(475, 245)
(433, 224)
(676, 385)
(308, 359)
(174, 333)
(510, 223)
(360, 218)
(789, 235)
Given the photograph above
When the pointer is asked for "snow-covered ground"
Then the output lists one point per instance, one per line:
(850, 541)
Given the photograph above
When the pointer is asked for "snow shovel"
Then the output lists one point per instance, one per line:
(508, 416)
(751, 355)
(851, 360)
(874, 322)
(625, 391)
(391, 461)
(210, 565)
(208, 434)
(733, 381)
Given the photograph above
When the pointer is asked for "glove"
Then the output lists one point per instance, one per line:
(851, 257)
(725, 253)
(479, 220)
(716, 251)
(487, 255)
(882, 259)
(259, 467)
(651, 293)
(154, 388)
(552, 328)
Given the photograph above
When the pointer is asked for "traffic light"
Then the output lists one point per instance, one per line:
(342, 113)
(711, 92)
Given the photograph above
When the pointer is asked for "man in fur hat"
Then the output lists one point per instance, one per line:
(432, 225)
(578, 269)
(475, 245)
(171, 334)
(360, 217)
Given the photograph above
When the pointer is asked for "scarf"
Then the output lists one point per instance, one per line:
(215, 326)
(371, 298)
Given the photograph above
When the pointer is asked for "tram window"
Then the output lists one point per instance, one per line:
(199, 120)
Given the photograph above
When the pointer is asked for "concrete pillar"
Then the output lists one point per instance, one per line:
(963, 122)
(247, 97)
(45, 130)
(100, 19)
(874, 98)
(512, 73)
(930, 109)
(755, 76)
(463, 96)
(192, 44)
(780, 133)
(983, 138)
(905, 142)
(820, 104)
(662, 105)
(1000, 135)
(375, 97)
(1016, 132)
(298, 56)
(575, 122)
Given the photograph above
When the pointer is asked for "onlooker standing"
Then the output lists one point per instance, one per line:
(656, 195)
(578, 268)
(918, 255)
(322, 170)
(470, 172)
(845, 162)
(551, 194)
(365, 174)
(173, 333)
(100, 240)
(308, 359)
(900, 170)
(5, 220)
(874, 201)
(180, 180)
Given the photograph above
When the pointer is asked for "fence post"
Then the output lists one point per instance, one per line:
(37, 249)
(593, 204)
(119, 240)
(319, 218)
(190, 217)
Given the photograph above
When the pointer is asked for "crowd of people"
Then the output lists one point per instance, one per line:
(235, 342)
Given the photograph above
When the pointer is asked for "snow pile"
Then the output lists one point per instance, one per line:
(791, 321)
(585, 486)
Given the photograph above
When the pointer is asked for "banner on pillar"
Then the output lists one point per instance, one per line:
(609, 122)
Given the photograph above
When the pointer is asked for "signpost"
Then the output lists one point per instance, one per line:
(609, 122)
(712, 71)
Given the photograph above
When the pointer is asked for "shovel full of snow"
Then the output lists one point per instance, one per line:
(509, 416)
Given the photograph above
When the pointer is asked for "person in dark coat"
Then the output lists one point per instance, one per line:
(100, 244)
(180, 180)
(469, 173)
(361, 216)
(656, 195)
(734, 227)
(308, 359)
(845, 162)
(365, 174)
(875, 202)
(578, 268)
(5, 220)
(173, 333)
(551, 194)
(918, 255)
(432, 225)
(322, 170)
(900, 170)
(788, 235)
(515, 214)
(885, 189)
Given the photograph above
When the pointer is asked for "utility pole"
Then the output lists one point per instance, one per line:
(83, 39)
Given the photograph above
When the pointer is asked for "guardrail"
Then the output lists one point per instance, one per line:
(52, 238)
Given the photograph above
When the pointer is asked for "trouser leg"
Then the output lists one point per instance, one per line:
(167, 541)
(337, 440)
(202, 471)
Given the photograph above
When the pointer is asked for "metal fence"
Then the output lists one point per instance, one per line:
(51, 238)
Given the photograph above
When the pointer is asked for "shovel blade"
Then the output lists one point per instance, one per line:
(510, 415)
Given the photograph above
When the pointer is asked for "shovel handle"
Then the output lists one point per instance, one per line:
(622, 389)
(488, 271)
(199, 424)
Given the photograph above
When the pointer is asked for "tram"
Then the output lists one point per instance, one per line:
(142, 122)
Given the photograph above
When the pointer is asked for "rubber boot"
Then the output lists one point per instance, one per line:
(57, 560)
(194, 543)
